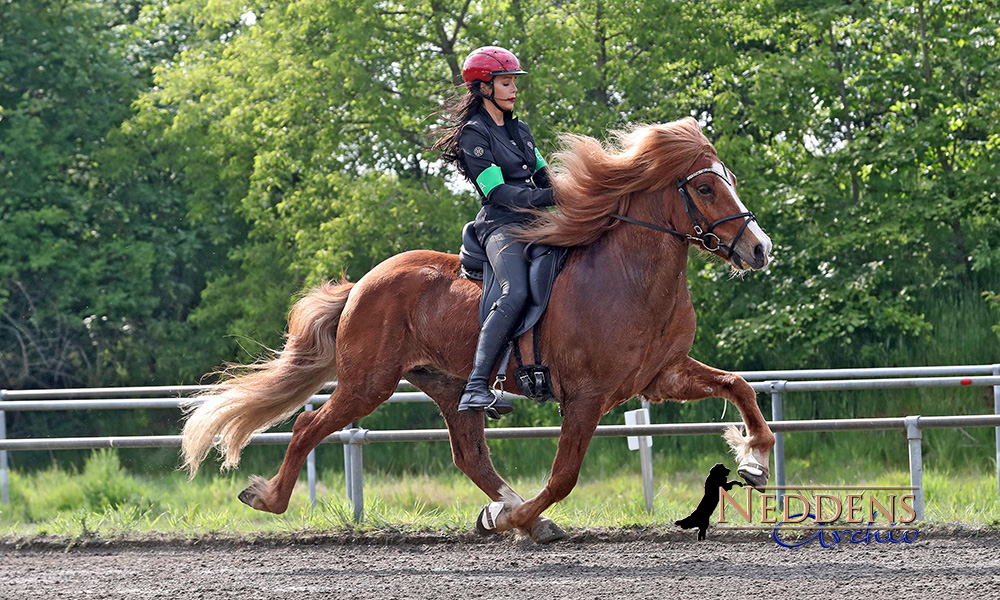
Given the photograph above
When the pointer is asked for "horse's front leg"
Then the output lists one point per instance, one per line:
(579, 422)
(472, 455)
(691, 380)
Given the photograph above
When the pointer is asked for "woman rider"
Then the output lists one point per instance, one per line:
(497, 154)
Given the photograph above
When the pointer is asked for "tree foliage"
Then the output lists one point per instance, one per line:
(98, 264)
(870, 131)
(66, 253)
(171, 174)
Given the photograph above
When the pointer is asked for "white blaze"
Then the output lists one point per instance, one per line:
(753, 228)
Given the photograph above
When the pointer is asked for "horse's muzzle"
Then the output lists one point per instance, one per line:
(753, 251)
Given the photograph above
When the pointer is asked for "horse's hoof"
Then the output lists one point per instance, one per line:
(545, 531)
(753, 471)
(481, 528)
(755, 476)
(252, 495)
(486, 522)
(756, 481)
(246, 497)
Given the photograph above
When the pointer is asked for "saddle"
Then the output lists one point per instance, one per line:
(546, 262)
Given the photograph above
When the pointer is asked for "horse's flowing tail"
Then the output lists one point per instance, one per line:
(256, 397)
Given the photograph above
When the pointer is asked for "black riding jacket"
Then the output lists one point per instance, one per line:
(506, 169)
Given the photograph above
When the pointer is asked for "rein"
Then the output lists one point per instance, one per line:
(704, 235)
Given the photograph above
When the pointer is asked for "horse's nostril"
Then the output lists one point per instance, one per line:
(758, 254)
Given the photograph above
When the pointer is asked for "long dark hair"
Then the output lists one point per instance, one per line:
(457, 112)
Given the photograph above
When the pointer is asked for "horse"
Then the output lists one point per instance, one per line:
(620, 323)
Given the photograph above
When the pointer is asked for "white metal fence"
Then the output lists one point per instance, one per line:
(776, 383)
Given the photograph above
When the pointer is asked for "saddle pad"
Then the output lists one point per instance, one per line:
(472, 256)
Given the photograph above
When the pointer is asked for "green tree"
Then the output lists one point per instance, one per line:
(863, 138)
(274, 145)
(303, 126)
(95, 260)
(62, 90)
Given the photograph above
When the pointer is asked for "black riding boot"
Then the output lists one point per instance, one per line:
(493, 340)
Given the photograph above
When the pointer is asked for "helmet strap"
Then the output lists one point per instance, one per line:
(497, 105)
(492, 98)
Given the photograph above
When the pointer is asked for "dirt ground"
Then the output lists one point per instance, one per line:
(586, 565)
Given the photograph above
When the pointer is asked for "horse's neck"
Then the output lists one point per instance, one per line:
(642, 266)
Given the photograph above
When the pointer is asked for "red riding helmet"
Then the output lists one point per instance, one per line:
(485, 63)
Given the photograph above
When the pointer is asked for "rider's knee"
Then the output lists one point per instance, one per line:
(512, 302)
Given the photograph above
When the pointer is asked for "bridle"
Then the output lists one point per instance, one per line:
(703, 234)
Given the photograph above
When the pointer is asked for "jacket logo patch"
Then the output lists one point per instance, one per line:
(478, 151)
(530, 146)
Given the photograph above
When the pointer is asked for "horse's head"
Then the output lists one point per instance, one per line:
(678, 185)
(666, 177)
(715, 218)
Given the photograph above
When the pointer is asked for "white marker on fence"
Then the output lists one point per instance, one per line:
(644, 445)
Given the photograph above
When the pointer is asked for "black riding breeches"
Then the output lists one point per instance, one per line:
(510, 267)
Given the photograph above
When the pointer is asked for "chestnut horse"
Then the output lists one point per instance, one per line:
(620, 323)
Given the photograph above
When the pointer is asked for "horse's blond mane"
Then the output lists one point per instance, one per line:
(593, 181)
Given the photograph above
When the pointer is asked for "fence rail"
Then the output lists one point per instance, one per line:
(368, 436)
(776, 383)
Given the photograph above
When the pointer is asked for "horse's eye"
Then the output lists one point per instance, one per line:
(705, 189)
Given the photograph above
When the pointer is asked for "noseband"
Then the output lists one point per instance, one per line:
(702, 228)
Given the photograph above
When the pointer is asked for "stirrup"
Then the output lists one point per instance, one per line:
(500, 405)
(496, 410)
(497, 406)
(493, 410)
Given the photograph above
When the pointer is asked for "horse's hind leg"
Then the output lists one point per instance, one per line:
(465, 430)
(345, 406)
(470, 452)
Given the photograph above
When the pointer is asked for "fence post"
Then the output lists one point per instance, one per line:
(349, 464)
(777, 410)
(996, 410)
(4, 482)
(644, 445)
(646, 461)
(311, 469)
(357, 483)
(914, 436)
